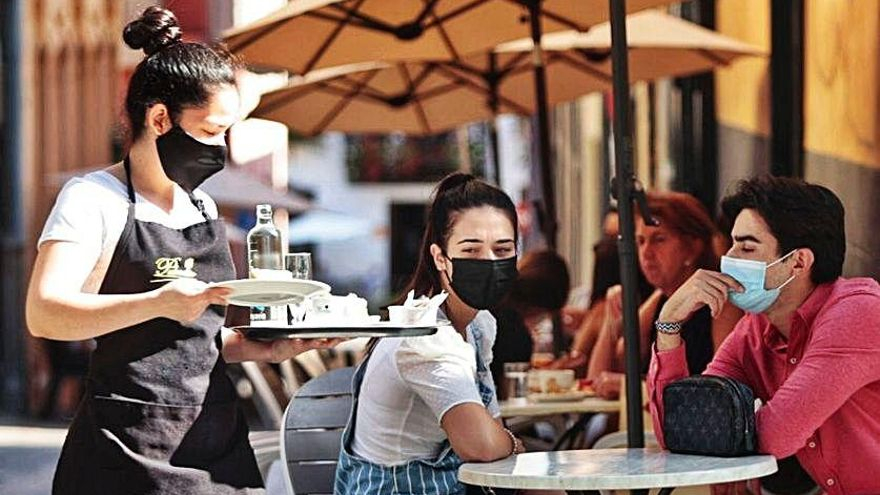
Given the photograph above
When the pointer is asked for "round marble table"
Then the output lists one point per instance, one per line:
(524, 407)
(613, 469)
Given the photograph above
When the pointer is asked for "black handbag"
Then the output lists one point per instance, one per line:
(709, 415)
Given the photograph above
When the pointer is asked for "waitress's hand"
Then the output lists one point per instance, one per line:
(185, 300)
(282, 350)
(237, 348)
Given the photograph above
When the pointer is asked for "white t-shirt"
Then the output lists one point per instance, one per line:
(410, 383)
(91, 211)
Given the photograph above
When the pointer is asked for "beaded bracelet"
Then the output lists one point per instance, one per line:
(513, 448)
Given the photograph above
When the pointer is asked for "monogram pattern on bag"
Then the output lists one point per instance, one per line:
(701, 417)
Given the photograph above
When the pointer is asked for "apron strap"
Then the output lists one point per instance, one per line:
(126, 164)
(198, 203)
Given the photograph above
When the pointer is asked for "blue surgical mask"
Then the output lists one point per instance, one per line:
(752, 276)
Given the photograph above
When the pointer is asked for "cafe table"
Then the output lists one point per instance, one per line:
(613, 469)
(526, 407)
(585, 408)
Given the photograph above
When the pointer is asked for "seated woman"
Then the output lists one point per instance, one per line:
(423, 405)
(541, 288)
(668, 255)
(606, 274)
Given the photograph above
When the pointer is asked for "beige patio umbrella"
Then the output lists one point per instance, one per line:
(311, 34)
(428, 97)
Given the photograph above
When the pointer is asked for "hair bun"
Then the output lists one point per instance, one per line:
(453, 181)
(155, 29)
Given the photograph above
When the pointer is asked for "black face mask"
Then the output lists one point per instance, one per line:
(481, 284)
(188, 161)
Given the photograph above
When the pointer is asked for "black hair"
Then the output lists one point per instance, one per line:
(800, 215)
(454, 194)
(543, 282)
(176, 73)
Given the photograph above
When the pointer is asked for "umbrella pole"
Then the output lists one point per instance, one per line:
(624, 185)
(492, 82)
(496, 160)
(540, 75)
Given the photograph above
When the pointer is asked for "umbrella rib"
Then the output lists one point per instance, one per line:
(446, 38)
(343, 102)
(465, 82)
(365, 20)
(353, 83)
(281, 101)
(330, 39)
(361, 91)
(420, 111)
(583, 67)
(426, 71)
(550, 15)
(428, 11)
(512, 104)
(514, 61)
(460, 65)
(453, 14)
(255, 37)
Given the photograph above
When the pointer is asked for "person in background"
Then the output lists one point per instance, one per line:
(669, 254)
(159, 414)
(809, 344)
(424, 405)
(588, 322)
(540, 289)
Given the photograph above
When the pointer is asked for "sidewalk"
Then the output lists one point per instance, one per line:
(27, 457)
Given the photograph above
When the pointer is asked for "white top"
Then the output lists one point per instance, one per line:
(410, 383)
(91, 211)
(613, 469)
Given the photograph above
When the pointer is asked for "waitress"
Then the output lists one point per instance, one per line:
(122, 259)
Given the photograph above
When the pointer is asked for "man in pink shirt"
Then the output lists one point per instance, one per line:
(809, 344)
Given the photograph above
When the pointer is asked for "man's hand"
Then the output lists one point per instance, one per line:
(704, 288)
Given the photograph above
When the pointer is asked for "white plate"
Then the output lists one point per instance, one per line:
(258, 292)
(561, 397)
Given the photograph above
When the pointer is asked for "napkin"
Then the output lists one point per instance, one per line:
(422, 310)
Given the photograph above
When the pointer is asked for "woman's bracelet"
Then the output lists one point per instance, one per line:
(513, 446)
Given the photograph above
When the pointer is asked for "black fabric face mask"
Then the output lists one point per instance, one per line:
(481, 284)
(188, 161)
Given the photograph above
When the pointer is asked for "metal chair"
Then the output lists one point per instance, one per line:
(311, 432)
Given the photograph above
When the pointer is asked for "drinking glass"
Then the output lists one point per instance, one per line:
(516, 380)
(300, 266)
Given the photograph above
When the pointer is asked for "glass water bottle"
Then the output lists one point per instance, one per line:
(264, 253)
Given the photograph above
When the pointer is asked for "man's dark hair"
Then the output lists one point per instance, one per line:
(800, 215)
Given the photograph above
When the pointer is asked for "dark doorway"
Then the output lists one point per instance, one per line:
(407, 229)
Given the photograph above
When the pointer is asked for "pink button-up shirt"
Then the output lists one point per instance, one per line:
(820, 388)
